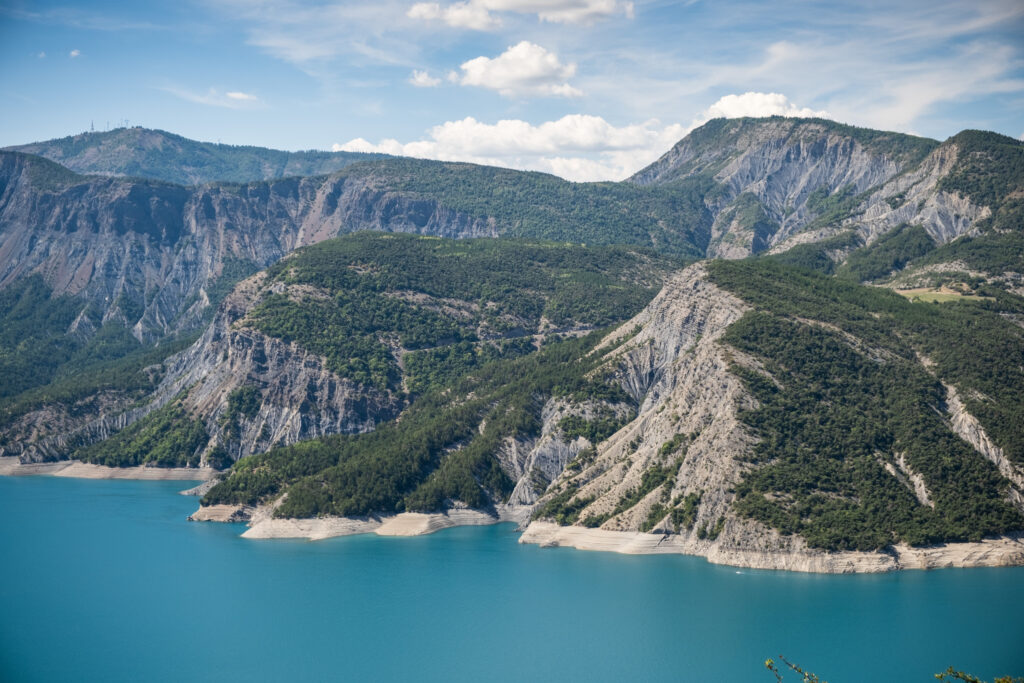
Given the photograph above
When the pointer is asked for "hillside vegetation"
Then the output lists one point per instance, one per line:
(843, 393)
(376, 294)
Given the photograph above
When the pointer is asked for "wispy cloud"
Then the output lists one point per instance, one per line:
(895, 68)
(484, 15)
(423, 79)
(303, 33)
(79, 18)
(232, 99)
(75, 53)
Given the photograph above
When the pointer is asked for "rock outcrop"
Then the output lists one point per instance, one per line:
(779, 179)
(298, 397)
(686, 432)
(146, 254)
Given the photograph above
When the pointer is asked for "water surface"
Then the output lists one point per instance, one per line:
(106, 581)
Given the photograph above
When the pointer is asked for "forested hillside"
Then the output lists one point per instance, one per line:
(345, 334)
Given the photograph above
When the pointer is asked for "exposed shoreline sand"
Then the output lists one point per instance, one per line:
(998, 552)
(1005, 551)
(12, 467)
(263, 526)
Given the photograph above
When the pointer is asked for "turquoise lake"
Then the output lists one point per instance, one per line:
(106, 581)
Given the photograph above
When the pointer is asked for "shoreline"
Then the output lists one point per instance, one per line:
(1005, 551)
(12, 467)
(263, 526)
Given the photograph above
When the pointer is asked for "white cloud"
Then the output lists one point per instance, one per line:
(313, 33)
(75, 53)
(523, 69)
(41, 55)
(459, 15)
(422, 79)
(241, 96)
(477, 14)
(576, 147)
(232, 99)
(758, 104)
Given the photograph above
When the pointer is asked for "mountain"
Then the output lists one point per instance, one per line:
(771, 410)
(731, 188)
(783, 414)
(338, 337)
(159, 155)
(147, 253)
(754, 413)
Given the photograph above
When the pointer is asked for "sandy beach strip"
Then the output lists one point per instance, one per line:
(1005, 551)
(264, 526)
(12, 467)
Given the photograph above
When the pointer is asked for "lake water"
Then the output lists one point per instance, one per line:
(106, 581)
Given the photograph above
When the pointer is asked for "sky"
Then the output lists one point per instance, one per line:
(584, 89)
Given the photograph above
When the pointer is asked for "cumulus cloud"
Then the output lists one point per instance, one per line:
(757, 104)
(478, 14)
(232, 99)
(75, 53)
(523, 69)
(576, 147)
(422, 79)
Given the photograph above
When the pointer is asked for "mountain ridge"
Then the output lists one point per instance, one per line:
(381, 373)
(160, 155)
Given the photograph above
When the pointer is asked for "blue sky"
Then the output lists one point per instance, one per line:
(587, 89)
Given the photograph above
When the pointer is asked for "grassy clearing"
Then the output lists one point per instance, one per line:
(937, 295)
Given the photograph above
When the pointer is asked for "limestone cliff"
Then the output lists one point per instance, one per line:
(147, 254)
(782, 182)
(667, 480)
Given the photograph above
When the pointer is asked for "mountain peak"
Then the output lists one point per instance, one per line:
(708, 149)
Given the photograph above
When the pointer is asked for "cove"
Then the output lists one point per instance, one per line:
(106, 581)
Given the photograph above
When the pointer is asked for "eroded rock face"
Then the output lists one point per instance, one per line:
(678, 372)
(299, 398)
(533, 464)
(146, 253)
(967, 427)
(789, 165)
(915, 198)
(780, 162)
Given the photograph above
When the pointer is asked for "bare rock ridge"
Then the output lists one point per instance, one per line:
(665, 482)
(146, 253)
(778, 176)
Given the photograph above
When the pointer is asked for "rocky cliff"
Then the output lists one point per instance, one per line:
(670, 479)
(148, 254)
(782, 182)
